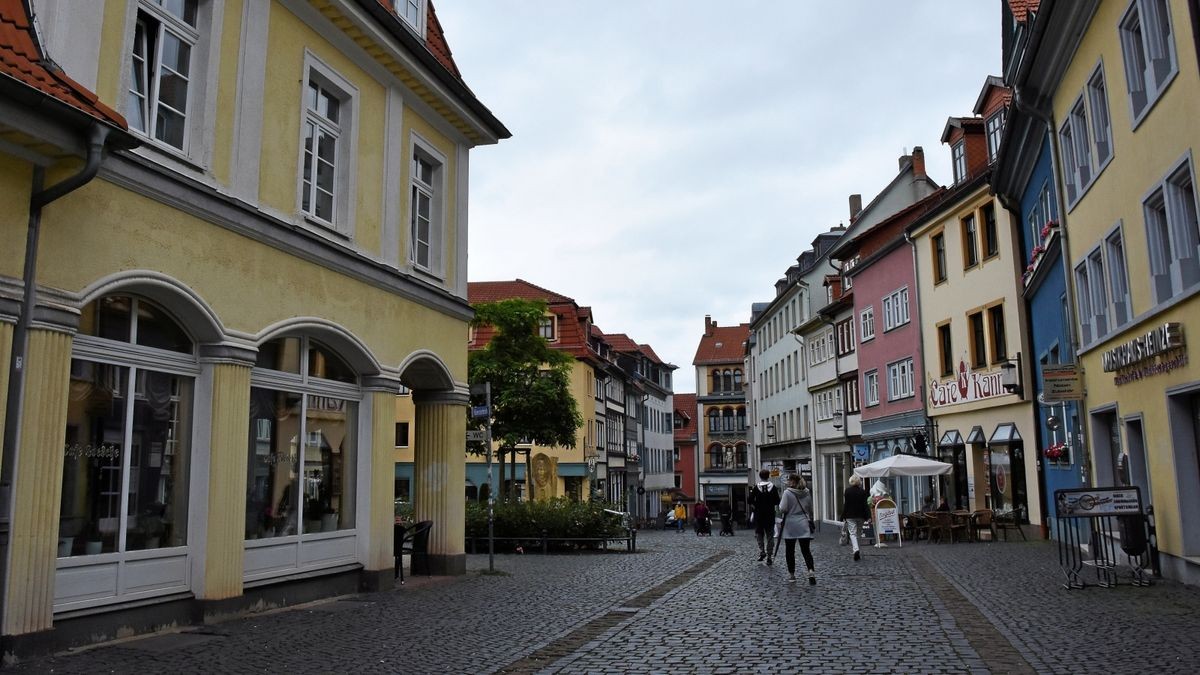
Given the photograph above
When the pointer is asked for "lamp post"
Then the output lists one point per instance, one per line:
(839, 419)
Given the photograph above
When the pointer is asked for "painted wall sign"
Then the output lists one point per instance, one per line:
(967, 387)
(1143, 347)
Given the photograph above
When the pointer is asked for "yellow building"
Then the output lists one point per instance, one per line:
(1124, 107)
(225, 314)
(971, 314)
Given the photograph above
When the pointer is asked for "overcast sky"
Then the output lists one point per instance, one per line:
(671, 159)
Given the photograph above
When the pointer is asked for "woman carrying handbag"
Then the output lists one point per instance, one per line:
(797, 525)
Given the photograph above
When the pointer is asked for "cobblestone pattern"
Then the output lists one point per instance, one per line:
(704, 605)
(1018, 587)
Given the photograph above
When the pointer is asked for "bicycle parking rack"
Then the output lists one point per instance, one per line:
(1105, 529)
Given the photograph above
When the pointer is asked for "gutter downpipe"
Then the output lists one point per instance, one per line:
(1065, 252)
(39, 198)
(931, 440)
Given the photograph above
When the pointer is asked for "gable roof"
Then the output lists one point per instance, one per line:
(493, 291)
(722, 344)
(685, 407)
(23, 62)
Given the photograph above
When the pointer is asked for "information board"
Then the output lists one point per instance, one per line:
(1096, 502)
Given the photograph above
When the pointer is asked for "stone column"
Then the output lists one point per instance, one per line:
(380, 405)
(33, 539)
(440, 476)
(227, 372)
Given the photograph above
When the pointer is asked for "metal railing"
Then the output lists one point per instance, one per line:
(1108, 542)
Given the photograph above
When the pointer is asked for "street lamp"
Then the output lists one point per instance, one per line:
(1010, 376)
(839, 419)
(770, 431)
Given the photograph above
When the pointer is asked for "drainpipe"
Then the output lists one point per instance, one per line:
(39, 198)
(931, 440)
(1072, 334)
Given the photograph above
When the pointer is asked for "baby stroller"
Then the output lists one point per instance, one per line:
(726, 524)
(703, 527)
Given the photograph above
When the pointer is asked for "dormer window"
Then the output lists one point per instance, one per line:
(959, 155)
(413, 13)
(995, 132)
(546, 328)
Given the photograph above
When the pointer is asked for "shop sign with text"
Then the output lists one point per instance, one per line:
(967, 387)
(1159, 350)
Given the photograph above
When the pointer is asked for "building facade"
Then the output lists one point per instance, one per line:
(721, 414)
(224, 316)
(971, 311)
(1123, 99)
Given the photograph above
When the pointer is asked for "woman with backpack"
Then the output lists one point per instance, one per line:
(797, 526)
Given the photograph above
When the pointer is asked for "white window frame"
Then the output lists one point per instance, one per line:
(895, 309)
(851, 397)
(1118, 277)
(958, 155)
(1149, 54)
(1085, 137)
(995, 132)
(1167, 210)
(867, 324)
(900, 379)
(151, 66)
(425, 151)
(318, 72)
(871, 387)
(412, 13)
(548, 324)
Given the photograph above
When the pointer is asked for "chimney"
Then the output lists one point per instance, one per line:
(918, 162)
(855, 206)
(709, 324)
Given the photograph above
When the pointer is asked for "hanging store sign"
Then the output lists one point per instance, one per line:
(1061, 383)
(1160, 350)
(967, 387)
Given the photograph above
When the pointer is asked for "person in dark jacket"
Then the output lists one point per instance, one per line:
(764, 497)
(855, 511)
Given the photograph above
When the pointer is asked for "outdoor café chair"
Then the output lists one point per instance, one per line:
(413, 541)
(1008, 521)
(983, 521)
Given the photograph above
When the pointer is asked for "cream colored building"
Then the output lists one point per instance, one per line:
(224, 315)
(971, 314)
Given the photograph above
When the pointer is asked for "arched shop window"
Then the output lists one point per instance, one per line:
(126, 455)
(716, 456)
(303, 417)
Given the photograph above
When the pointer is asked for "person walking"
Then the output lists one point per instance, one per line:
(855, 511)
(797, 526)
(764, 497)
(700, 513)
(680, 516)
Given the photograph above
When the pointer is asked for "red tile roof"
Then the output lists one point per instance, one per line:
(685, 404)
(723, 344)
(492, 291)
(21, 59)
(649, 353)
(621, 343)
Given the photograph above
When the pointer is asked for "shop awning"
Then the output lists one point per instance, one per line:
(1004, 434)
(950, 439)
(976, 436)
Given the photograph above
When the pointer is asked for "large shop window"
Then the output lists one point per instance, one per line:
(303, 416)
(126, 457)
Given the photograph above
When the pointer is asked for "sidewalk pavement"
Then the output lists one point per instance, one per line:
(704, 605)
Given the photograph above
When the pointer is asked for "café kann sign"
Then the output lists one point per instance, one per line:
(968, 386)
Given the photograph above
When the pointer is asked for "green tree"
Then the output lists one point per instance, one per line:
(531, 396)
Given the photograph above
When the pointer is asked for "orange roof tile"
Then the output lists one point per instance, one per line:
(686, 405)
(724, 344)
(1021, 9)
(435, 37)
(492, 291)
(22, 59)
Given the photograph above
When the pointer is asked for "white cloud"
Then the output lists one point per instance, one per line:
(671, 159)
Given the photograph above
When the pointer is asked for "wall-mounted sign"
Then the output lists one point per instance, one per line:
(1098, 501)
(967, 387)
(1160, 350)
(1061, 383)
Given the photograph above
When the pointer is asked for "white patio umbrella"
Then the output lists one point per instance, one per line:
(903, 465)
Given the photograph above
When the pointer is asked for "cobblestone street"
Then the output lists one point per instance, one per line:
(684, 604)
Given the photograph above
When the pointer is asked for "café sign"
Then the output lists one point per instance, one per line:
(967, 387)
(1154, 343)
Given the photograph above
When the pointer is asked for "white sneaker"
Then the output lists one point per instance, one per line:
(791, 578)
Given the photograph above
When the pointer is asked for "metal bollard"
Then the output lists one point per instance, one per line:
(545, 544)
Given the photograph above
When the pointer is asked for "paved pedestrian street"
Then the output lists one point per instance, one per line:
(684, 604)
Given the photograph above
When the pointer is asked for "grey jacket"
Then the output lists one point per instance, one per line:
(796, 507)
